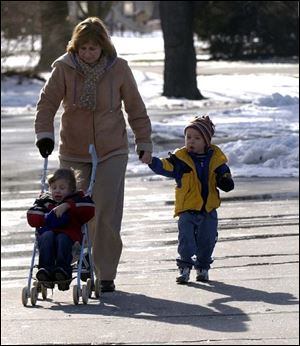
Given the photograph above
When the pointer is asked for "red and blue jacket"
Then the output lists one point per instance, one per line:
(81, 210)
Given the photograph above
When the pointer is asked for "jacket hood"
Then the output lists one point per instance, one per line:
(70, 59)
(66, 58)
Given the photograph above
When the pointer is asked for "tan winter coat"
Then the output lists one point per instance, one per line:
(105, 127)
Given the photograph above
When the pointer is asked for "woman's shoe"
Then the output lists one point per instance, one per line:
(107, 285)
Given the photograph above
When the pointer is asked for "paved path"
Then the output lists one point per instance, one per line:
(252, 297)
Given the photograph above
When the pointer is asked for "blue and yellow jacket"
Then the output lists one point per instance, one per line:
(196, 183)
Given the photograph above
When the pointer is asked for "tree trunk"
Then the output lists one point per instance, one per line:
(180, 75)
(56, 32)
(99, 8)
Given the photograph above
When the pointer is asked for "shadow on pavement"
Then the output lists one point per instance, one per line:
(218, 315)
(140, 306)
(244, 294)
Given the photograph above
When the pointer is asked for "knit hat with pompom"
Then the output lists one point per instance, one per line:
(204, 125)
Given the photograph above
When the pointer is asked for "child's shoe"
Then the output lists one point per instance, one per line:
(202, 275)
(184, 276)
(44, 276)
(61, 275)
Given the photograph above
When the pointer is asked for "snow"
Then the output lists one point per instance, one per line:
(256, 114)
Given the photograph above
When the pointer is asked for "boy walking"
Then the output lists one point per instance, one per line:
(199, 169)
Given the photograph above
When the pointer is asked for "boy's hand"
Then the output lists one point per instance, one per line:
(60, 209)
(145, 157)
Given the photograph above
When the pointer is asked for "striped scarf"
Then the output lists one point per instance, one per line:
(91, 76)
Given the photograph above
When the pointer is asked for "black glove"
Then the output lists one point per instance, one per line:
(46, 146)
(225, 182)
(141, 154)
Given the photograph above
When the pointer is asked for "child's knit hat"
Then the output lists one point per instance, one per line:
(204, 125)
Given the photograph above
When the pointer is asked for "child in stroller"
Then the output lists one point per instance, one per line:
(58, 217)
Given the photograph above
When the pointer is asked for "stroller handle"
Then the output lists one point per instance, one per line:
(43, 180)
(93, 153)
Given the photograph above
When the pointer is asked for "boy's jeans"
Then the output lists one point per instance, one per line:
(55, 250)
(197, 237)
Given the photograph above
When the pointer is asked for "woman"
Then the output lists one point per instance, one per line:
(91, 81)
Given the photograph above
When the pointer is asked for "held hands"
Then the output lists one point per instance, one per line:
(60, 209)
(145, 157)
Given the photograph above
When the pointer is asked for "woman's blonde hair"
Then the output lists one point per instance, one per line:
(91, 29)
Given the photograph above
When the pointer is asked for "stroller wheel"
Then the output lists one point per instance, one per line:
(97, 288)
(85, 294)
(89, 286)
(33, 295)
(44, 292)
(75, 295)
(25, 295)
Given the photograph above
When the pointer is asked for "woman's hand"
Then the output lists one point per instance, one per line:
(60, 209)
(145, 157)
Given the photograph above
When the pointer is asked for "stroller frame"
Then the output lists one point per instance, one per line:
(85, 290)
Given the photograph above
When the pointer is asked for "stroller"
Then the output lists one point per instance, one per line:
(82, 262)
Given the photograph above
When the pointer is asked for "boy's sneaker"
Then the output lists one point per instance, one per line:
(64, 277)
(184, 275)
(202, 275)
(44, 276)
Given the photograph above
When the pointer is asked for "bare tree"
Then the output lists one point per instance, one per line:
(99, 8)
(79, 10)
(55, 32)
(180, 76)
(56, 26)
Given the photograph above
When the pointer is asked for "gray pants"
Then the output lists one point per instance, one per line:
(108, 195)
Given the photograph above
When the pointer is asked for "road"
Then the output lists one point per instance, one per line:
(251, 299)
